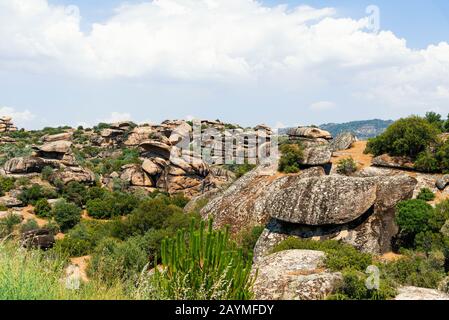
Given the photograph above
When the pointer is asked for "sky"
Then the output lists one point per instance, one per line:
(283, 63)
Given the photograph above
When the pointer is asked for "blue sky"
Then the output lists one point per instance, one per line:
(267, 68)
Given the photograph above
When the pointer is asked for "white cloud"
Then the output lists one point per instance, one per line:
(117, 117)
(239, 42)
(322, 105)
(17, 116)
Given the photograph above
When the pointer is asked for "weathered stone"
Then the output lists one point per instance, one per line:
(139, 135)
(294, 275)
(10, 202)
(154, 148)
(6, 214)
(442, 182)
(316, 156)
(181, 134)
(343, 141)
(61, 146)
(77, 174)
(40, 238)
(320, 200)
(310, 132)
(58, 137)
(243, 204)
(24, 165)
(388, 161)
(372, 232)
(136, 176)
(151, 168)
(111, 133)
(415, 293)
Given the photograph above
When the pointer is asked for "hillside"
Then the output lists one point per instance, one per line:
(364, 129)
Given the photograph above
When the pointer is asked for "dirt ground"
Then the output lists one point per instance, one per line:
(82, 263)
(356, 152)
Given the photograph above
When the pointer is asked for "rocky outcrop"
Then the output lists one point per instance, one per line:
(78, 174)
(54, 149)
(139, 135)
(6, 125)
(10, 202)
(388, 161)
(294, 275)
(65, 136)
(243, 204)
(154, 148)
(40, 239)
(343, 141)
(415, 293)
(135, 176)
(24, 165)
(442, 182)
(326, 213)
(316, 156)
(310, 132)
(320, 200)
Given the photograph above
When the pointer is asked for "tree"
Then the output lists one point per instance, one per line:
(406, 137)
(42, 208)
(66, 214)
(292, 155)
(435, 119)
(413, 215)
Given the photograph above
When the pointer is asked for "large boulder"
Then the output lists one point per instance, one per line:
(343, 141)
(316, 156)
(388, 161)
(135, 176)
(243, 204)
(310, 132)
(78, 174)
(61, 146)
(415, 293)
(24, 165)
(320, 200)
(442, 182)
(10, 202)
(372, 231)
(151, 168)
(67, 136)
(294, 275)
(181, 134)
(139, 135)
(154, 148)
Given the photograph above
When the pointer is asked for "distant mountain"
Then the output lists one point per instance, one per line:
(362, 129)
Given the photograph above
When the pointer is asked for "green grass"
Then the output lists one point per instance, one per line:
(37, 275)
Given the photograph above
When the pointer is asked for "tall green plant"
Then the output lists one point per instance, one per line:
(203, 264)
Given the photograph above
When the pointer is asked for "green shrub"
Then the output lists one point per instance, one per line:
(47, 173)
(74, 192)
(42, 208)
(8, 223)
(112, 205)
(200, 265)
(29, 225)
(354, 288)
(416, 269)
(339, 256)
(66, 214)
(427, 162)
(291, 157)
(346, 166)
(34, 193)
(413, 215)
(83, 238)
(426, 194)
(240, 169)
(6, 184)
(247, 239)
(405, 137)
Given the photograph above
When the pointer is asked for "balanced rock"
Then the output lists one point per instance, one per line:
(343, 141)
(310, 132)
(54, 147)
(78, 174)
(24, 165)
(320, 200)
(154, 148)
(135, 176)
(294, 275)
(67, 136)
(150, 167)
(388, 161)
(316, 156)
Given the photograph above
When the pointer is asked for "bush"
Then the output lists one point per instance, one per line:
(34, 193)
(416, 269)
(112, 205)
(339, 256)
(426, 162)
(247, 239)
(47, 173)
(426, 194)
(240, 169)
(354, 288)
(66, 214)
(413, 215)
(200, 265)
(346, 166)
(291, 157)
(29, 225)
(74, 192)
(405, 137)
(8, 223)
(6, 185)
(42, 208)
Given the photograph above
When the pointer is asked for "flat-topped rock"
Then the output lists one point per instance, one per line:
(388, 161)
(416, 293)
(310, 132)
